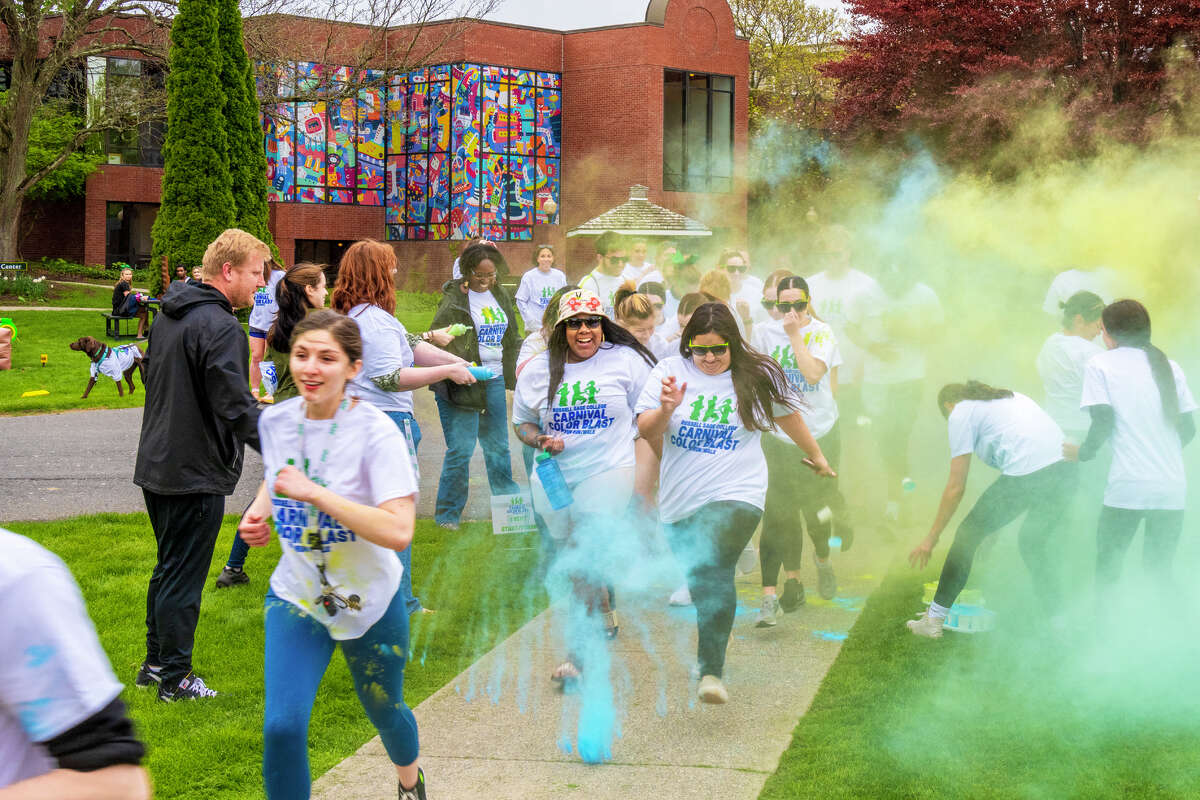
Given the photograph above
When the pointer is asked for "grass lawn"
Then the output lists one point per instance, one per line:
(66, 295)
(66, 372)
(1009, 714)
(199, 751)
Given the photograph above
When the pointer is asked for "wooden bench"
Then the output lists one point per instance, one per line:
(112, 326)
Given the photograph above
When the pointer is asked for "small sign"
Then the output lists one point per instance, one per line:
(14, 266)
(512, 513)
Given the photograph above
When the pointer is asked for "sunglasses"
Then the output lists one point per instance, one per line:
(736, 267)
(797, 306)
(330, 600)
(575, 323)
(767, 304)
(704, 349)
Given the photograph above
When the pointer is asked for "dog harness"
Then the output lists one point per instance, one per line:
(115, 361)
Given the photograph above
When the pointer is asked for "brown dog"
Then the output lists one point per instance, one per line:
(115, 362)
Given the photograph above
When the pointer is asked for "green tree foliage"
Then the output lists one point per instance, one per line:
(55, 125)
(247, 161)
(197, 202)
(789, 41)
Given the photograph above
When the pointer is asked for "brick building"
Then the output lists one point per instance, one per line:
(503, 119)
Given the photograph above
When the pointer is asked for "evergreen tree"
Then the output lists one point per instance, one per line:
(197, 203)
(247, 160)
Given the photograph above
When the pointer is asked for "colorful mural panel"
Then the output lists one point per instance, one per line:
(549, 123)
(546, 188)
(310, 144)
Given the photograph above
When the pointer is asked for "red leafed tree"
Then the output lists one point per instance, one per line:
(962, 73)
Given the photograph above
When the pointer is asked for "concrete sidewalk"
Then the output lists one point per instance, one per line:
(494, 731)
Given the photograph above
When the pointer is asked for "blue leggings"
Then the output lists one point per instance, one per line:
(298, 649)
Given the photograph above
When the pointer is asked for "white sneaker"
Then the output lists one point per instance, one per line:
(768, 616)
(712, 691)
(927, 625)
(681, 597)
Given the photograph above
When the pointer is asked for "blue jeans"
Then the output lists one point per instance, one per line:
(237, 553)
(297, 653)
(462, 427)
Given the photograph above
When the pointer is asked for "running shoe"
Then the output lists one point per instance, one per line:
(231, 577)
(712, 691)
(449, 526)
(148, 676)
(681, 597)
(191, 687)
(826, 580)
(769, 614)
(792, 597)
(927, 625)
(415, 793)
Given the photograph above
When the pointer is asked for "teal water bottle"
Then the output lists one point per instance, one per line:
(553, 481)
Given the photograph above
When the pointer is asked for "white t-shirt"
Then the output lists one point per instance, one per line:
(53, 672)
(1060, 363)
(751, 292)
(870, 313)
(834, 301)
(661, 347)
(707, 455)
(115, 361)
(639, 275)
(534, 294)
(385, 350)
(592, 411)
(265, 307)
(1102, 281)
(670, 308)
(1013, 435)
(533, 345)
(490, 324)
(820, 411)
(362, 456)
(1147, 465)
(605, 287)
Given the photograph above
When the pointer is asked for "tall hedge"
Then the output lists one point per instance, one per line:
(247, 160)
(197, 201)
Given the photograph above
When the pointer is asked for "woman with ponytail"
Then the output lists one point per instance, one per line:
(1011, 433)
(1140, 398)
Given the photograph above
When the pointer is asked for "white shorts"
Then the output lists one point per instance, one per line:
(595, 497)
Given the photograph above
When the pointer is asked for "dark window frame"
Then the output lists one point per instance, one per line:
(684, 180)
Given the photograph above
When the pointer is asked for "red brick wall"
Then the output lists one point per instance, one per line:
(52, 230)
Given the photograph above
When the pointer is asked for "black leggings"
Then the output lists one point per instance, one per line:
(1045, 495)
(707, 544)
(793, 490)
(1115, 533)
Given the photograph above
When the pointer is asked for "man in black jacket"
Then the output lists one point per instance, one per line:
(199, 413)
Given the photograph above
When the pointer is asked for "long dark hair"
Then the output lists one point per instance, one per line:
(293, 303)
(758, 381)
(1127, 322)
(614, 335)
(971, 390)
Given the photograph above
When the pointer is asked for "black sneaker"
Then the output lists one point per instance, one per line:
(230, 577)
(793, 595)
(190, 688)
(415, 793)
(148, 676)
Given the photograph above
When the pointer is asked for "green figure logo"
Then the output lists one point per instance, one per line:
(707, 410)
(577, 394)
(785, 357)
(492, 315)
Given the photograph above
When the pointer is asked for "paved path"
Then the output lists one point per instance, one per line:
(81, 462)
(493, 732)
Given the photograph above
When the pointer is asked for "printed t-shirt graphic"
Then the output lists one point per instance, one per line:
(265, 308)
(534, 293)
(820, 411)
(708, 455)
(1147, 465)
(592, 409)
(362, 456)
(490, 324)
(1013, 435)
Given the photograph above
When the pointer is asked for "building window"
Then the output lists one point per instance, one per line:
(455, 150)
(122, 86)
(697, 132)
(5, 76)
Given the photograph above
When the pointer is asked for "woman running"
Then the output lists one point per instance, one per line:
(340, 487)
(1139, 398)
(537, 286)
(1011, 433)
(301, 289)
(807, 351)
(575, 402)
(710, 405)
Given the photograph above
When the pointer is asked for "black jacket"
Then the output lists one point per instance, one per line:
(456, 308)
(199, 410)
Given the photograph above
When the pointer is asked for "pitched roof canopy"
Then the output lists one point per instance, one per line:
(637, 216)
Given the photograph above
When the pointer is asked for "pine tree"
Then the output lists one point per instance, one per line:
(247, 160)
(197, 203)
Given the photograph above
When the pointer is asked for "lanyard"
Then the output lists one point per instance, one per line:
(312, 531)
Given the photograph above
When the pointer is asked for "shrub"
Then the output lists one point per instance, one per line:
(24, 287)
